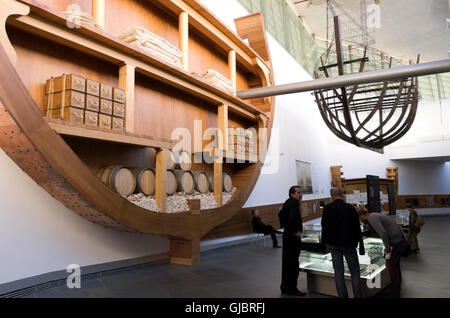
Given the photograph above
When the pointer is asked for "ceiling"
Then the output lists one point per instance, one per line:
(428, 159)
(407, 28)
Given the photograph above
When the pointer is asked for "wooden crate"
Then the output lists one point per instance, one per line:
(106, 106)
(106, 92)
(91, 118)
(118, 109)
(63, 99)
(118, 124)
(118, 95)
(92, 103)
(72, 115)
(92, 87)
(105, 121)
(65, 82)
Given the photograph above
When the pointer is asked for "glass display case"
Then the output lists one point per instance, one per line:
(322, 262)
(312, 239)
(317, 263)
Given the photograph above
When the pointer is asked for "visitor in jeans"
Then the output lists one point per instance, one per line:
(341, 233)
(391, 234)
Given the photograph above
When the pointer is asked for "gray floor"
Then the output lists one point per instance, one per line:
(254, 270)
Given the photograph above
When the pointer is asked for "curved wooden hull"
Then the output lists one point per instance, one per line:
(46, 157)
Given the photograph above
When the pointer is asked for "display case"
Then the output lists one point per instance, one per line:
(319, 266)
(322, 262)
(312, 239)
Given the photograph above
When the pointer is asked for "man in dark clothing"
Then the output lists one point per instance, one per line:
(341, 233)
(291, 221)
(260, 227)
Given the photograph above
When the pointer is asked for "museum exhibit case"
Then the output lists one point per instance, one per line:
(317, 263)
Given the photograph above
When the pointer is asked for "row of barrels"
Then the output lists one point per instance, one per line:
(127, 181)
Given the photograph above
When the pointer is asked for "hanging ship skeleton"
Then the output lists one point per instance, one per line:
(372, 115)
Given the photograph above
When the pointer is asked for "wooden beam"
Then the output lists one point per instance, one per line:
(161, 179)
(222, 147)
(252, 27)
(127, 83)
(8, 8)
(218, 180)
(99, 12)
(183, 28)
(232, 68)
(222, 126)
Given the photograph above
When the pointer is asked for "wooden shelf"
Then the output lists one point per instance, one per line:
(236, 159)
(82, 131)
(49, 23)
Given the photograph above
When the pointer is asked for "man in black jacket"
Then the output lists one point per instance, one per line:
(291, 221)
(341, 233)
(260, 227)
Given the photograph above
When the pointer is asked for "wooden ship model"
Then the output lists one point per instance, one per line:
(120, 102)
(372, 115)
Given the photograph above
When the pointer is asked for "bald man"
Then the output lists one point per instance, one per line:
(341, 233)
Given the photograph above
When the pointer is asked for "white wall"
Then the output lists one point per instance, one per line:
(429, 136)
(421, 177)
(40, 235)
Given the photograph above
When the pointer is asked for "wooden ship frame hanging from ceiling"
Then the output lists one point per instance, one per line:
(372, 115)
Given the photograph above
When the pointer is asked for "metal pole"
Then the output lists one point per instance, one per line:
(398, 73)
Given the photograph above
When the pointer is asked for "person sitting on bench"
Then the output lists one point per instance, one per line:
(260, 227)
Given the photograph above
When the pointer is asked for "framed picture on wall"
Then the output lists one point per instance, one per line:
(304, 179)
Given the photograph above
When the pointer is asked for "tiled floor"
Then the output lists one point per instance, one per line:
(253, 270)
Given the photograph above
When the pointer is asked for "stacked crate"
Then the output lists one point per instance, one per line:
(251, 144)
(241, 141)
(236, 140)
(76, 99)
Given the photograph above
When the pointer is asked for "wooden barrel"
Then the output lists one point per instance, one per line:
(170, 160)
(118, 178)
(186, 181)
(201, 182)
(172, 182)
(227, 182)
(145, 180)
(183, 160)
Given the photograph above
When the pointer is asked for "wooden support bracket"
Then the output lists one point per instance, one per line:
(161, 179)
(99, 12)
(7, 9)
(184, 252)
(184, 39)
(127, 75)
